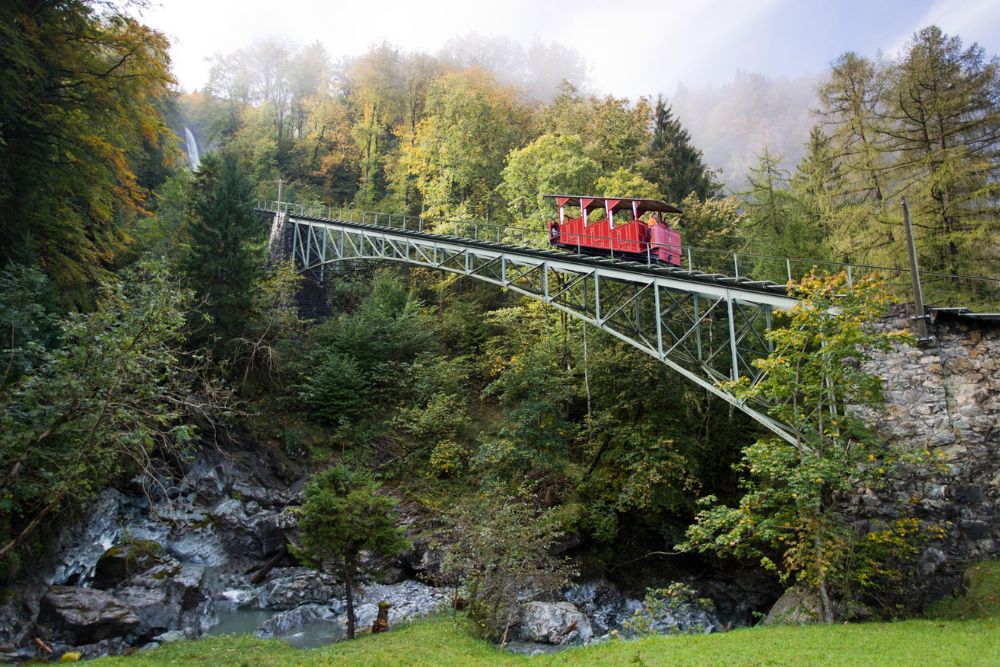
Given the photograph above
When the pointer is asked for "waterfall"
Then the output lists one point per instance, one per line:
(192, 149)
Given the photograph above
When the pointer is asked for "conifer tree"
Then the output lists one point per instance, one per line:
(944, 108)
(674, 164)
(222, 261)
(775, 221)
(816, 184)
(851, 109)
(343, 516)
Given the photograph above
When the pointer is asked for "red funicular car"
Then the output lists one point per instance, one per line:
(620, 231)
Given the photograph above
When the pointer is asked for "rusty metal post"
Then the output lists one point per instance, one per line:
(918, 298)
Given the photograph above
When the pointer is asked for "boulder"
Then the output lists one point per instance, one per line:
(124, 560)
(156, 610)
(184, 583)
(290, 587)
(796, 605)
(84, 615)
(554, 623)
(601, 601)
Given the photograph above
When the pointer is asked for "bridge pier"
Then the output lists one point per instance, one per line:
(312, 298)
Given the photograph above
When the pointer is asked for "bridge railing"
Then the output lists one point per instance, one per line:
(940, 289)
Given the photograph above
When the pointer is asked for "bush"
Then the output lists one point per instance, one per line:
(499, 549)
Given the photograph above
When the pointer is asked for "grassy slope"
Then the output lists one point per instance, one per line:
(980, 598)
(439, 642)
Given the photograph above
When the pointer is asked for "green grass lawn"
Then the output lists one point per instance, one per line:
(438, 641)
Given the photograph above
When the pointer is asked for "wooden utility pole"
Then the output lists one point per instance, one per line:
(918, 298)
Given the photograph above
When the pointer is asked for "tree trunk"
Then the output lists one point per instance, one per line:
(349, 594)
(824, 603)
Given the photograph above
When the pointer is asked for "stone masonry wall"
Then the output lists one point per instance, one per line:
(944, 398)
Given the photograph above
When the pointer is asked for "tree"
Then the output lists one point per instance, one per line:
(624, 182)
(712, 223)
(673, 163)
(853, 116)
(222, 262)
(775, 224)
(375, 86)
(551, 164)
(816, 382)
(816, 183)
(81, 85)
(944, 106)
(343, 516)
(458, 152)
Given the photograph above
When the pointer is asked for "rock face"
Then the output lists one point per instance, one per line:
(555, 623)
(84, 615)
(944, 400)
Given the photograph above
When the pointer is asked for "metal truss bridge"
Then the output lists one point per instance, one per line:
(708, 328)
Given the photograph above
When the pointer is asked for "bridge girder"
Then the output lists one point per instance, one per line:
(706, 332)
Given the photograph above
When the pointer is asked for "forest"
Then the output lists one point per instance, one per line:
(142, 321)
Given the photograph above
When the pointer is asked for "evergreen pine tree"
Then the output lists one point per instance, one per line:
(816, 183)
(674, 164)
(223, 261)
(343, 516)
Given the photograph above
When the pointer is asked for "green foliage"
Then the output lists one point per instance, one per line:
(713, 223)
(922, 126)
(448, 459)
(81, 86)
(344, 515)
(459, 147)
(775, 224)
(273, 327)
(979, 597)
(945, 115)
(115, 386)
(623, 182)
(165, 234)
(28, 321)
(334, 389)
(357, 364)
(496, 547)
(551, 164)
(815, 381)
(673, 163)
(224, 258)
(660, 604)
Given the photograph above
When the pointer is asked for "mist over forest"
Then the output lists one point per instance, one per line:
(734, 122)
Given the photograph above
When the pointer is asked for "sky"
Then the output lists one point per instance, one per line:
(632, 47)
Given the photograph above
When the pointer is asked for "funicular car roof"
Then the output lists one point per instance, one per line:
(619, 203)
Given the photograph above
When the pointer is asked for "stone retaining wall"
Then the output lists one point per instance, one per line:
(944, 398)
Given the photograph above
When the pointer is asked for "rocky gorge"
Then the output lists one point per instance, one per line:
(206, 551)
